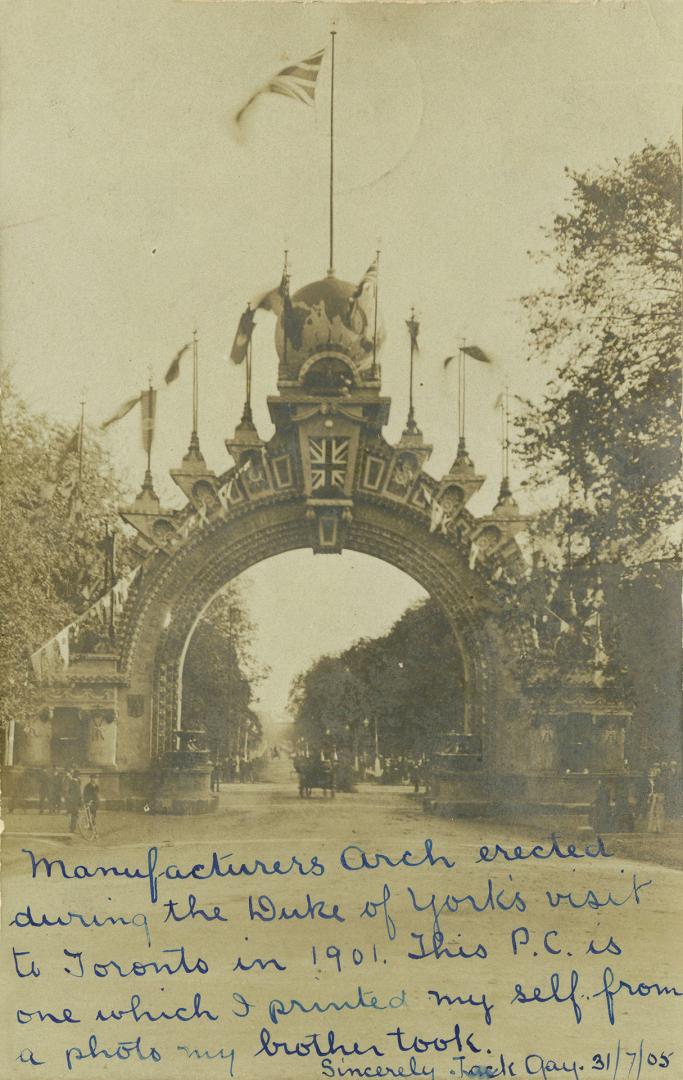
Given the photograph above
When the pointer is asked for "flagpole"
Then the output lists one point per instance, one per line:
(502, 434)
(247, 401)
(149, 423)
(507, 432)
(195, 383)
(285, 305)
(461, 364)
(331, 266)
(80, 443)
(464, 391)
(374, 334)
(411, 410)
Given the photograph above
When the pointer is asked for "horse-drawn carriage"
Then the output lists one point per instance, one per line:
(315, 774)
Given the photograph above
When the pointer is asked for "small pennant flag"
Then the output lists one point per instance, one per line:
(296, 81)
(413, 329)
(500, 400)
(174, 367)
(122, 411)
(470, 350)
(369, 278)
(476, 353)
(148, 401)
(245, 329)
(274, 300)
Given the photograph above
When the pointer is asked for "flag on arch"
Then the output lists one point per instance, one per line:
(122, 411)
(369, 278)
(474, 352)
(296, 81)
(174, 367)
(276, 300)
(413, 329)
(245, 329)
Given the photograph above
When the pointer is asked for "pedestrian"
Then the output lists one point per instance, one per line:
(56, 786)
(600, 809)
(43, 784)
(641, 793)
(72, 797)
(672, 792)
(215, 777)
(415, 776)
(622, 821)
(91, 797)
(655, 810)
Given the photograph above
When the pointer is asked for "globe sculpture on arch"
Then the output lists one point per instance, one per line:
(327, 315)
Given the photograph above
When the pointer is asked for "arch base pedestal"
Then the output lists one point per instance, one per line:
(184, 786)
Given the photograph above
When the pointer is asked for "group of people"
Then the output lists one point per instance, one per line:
(654, 800)
(233, 771)
(61, 789)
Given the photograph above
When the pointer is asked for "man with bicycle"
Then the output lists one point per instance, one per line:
(91, 797)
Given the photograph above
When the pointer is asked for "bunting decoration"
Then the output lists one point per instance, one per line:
(296, 81)
(56, 652)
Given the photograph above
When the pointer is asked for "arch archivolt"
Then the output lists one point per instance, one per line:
(177, 587)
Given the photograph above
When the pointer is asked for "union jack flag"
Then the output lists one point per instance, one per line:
(329, 460)
(295, 81)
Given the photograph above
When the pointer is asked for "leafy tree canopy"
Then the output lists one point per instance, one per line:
(220, 675)
(605, 438)
(51, 531)
(409, 681)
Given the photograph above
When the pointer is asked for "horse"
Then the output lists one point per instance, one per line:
(315, 774)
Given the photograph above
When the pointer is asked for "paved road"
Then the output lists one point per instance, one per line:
(268, 821)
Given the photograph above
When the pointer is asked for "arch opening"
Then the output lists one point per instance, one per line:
(357, 659)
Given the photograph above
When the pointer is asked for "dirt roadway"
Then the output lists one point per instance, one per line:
(316, 951)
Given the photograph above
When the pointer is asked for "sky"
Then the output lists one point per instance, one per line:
(132, 213)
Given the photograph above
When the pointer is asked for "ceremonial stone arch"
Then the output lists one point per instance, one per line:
(327, 480)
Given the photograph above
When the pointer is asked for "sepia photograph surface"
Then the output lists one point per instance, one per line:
(340, 540)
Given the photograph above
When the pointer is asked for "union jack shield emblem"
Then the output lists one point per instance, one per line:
(329, 461)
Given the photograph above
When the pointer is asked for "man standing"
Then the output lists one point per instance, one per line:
(72, 797)
(56, 784)
(91, 797)
(43, 783)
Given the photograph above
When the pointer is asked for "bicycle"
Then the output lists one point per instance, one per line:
(86, 823)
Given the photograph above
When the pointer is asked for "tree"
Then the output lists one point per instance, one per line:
(606, 435)
(602, 448)
(51, 531)
(219, 677)
(409, 681)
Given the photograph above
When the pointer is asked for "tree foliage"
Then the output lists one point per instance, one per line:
(51, 531)
(219, 677)
(602, 447)
(605, 437)
(409, 681)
